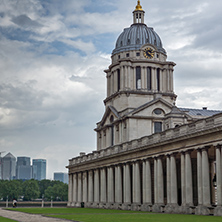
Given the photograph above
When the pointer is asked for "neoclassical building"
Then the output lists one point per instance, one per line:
(151, 155)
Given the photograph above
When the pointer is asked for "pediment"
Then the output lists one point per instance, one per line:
(149, 108)
(110, 112)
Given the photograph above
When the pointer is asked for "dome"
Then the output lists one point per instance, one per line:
(137, 35)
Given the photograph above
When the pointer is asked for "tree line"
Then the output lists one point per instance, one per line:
(33, 189)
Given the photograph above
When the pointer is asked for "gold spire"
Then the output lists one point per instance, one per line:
(138, 7)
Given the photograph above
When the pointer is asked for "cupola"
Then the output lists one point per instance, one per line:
(138, 14)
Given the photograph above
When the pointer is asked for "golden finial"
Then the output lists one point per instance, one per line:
(138, 7)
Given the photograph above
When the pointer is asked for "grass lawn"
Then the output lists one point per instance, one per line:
(100, 215)
(3, 219)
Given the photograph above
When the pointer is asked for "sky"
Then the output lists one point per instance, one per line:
(52, 57)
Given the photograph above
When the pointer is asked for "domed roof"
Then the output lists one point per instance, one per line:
(134, 37)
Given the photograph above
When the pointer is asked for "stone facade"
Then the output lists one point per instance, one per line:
(151, 155)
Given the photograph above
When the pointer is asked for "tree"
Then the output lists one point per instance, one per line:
(30, 189)
(59, 191)
(12, 189)
(43, 185)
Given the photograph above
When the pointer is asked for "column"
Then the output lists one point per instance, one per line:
(155, 180)
(90, 186)
(103, 185)
(137, 181)
(108, 84)
(96, 186)
(79, 187)
(129, 77)
(144, 182)
(199, 177)
(118, 184)
(168, 180)
(171, 80)
(84, 187)
(115, 80)
(127, 183)
(153, 74)
(173, 179)
(125, 77)
(168, 79)
(110, 185)
(188, 179)
(75, 188)
(112, 83)
(164, 80)
(147, 185)
(183, 185)
(70, 188)
(122, 77)
(205, 178)
(219, 175)
(160, 194)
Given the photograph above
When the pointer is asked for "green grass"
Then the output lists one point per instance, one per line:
(3, 219)
(100, 215)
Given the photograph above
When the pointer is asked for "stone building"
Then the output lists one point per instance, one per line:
(151, 155)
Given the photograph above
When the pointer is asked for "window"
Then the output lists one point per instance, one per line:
(158, 79)
(118, 56)
(138, 77)
(157, 127)
(118, 79)
(149, 79)
(158, 111)
(127, 54)
(137, 54)
(112, 131)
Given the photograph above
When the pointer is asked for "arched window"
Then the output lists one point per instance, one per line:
(138, 77)
(112, 131)
(118, 79)
(149, 79)
(158, 79)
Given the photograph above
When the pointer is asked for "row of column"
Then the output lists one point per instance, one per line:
(144, 182)
(128, 79)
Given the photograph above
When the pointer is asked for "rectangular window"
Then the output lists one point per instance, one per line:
(158, 79)
(138, 77)
(149, 79)
(157, 127)
(137, 54)
(118, 79)
(127, 54)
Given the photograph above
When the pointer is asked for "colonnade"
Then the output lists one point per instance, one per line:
(177, 182)
(128, 79)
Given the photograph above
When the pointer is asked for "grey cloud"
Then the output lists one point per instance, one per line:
(25, 22)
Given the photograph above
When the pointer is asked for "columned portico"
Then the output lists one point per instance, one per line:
(129, 185)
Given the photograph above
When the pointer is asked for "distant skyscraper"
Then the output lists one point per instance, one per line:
(8, 167)
(63, 177)
(23, 169)
(39, 169)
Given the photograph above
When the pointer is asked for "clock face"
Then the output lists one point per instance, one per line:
(148, 53)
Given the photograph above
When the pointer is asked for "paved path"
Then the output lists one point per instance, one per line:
(24, 217)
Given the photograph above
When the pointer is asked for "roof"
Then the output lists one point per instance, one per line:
(200, 112)
(135, 36)
(9, 156)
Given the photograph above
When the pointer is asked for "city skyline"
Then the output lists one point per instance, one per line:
(52, 59)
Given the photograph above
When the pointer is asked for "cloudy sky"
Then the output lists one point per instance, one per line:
(52, 57)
